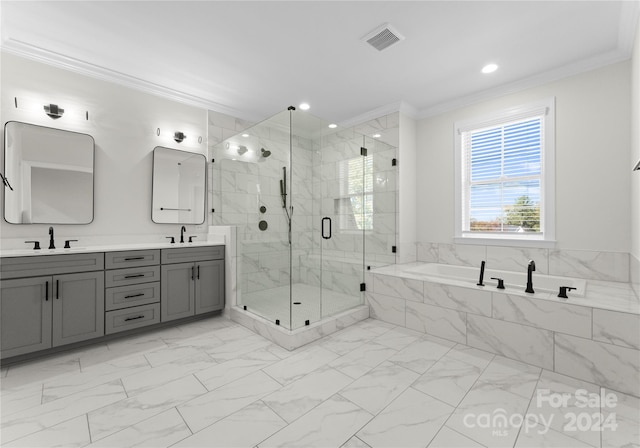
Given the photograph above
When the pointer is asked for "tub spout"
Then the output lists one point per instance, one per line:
(530, 268)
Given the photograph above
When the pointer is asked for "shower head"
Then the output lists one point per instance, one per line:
(265, 153)
(242, 149)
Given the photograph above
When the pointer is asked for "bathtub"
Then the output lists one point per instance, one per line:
(512, 280)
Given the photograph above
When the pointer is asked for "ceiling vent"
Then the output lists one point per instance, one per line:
(383, 37)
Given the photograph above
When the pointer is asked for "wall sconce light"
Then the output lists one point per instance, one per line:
(637, 167)
(179, 136)
(53, 111)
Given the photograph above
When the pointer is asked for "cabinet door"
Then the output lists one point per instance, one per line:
(78, 307)
(209, 286)
(177, 291)
(25, 315)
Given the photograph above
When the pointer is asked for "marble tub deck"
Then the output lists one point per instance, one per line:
(213, 383)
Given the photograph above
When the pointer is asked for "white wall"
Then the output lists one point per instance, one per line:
(123, 123)
(635, 156)
(406, 189)
(592, 161)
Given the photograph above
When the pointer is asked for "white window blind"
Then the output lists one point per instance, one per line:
(503, 175)
(355, 205)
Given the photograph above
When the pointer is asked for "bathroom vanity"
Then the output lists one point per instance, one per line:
(56, 299)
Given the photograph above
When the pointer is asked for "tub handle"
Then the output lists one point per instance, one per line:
(563, 291)
(500, 282)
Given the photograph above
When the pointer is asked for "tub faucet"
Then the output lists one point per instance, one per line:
(530, 268)
(51, 244)
(182, 230)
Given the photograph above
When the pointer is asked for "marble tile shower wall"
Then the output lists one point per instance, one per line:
(238, 190)
(592, 265)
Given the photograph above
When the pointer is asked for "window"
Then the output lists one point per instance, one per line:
(355, 204)
(504, 175)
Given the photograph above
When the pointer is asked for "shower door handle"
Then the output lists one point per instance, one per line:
(323, 229)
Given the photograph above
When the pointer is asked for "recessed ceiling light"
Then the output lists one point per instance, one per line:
(377, 135)
(333, 125)
(304, 106)
(489, 68)
(245, 135)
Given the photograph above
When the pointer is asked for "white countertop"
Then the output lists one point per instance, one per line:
(104, 248)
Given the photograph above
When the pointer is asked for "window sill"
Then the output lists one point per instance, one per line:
(502, 241)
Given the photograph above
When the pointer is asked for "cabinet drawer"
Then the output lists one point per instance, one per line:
(131, 295)
(130, 318)
(186, 254)
(132, 276)
(131, 259)
(18, 267)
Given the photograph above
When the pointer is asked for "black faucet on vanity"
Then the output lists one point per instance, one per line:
(51, 243)
(530, 268)
(182, 230)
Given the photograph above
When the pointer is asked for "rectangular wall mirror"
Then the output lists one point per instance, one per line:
(51, 175)
(179, 187)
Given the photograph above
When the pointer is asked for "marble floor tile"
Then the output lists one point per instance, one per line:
(355, 442)
(375, 326)
(37, 371)
(539, 436)
(225, 351)
(448, 380)
(223, 401)
(486, 417)
(20, 398)
(163, 429)
(448, 438)
(379, 387)
(397, 338)
(37, 418)
(170, 353)
(244, 428)
(513, 376)
(299, 397)
(124, 413)
(344, 341)
(361, 360)
(136, 383)
(217, 375)
(69, 434)
(422, 354)
(413, 417)
(470, 355)
(304, 361)
(330, 424)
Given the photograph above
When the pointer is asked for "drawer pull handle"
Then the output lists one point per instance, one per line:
(134, 295)
(133, 258)
(134, 318)
(134, 275)
(46, 291)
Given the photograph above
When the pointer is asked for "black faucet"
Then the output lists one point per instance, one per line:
(51, 244)
(182, 230)
(530, 269)
(481, 279)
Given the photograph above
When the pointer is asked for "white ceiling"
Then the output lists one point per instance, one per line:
(252, 59)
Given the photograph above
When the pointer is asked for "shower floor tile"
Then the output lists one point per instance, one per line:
(308, 303)
(370, 385)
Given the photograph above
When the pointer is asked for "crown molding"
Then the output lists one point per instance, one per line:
(400, 106)
(38, 54)
(566, 71)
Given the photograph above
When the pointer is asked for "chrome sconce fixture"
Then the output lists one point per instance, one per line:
(179, 136)
(53, 111)
(637, 167)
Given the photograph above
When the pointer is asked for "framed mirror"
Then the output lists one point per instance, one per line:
(51, 175)
(179, 187)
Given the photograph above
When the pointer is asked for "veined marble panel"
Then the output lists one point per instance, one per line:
(461, 254)
(515, 341)
(616, 328)
(458, 298)
(517, 258)
(403, 288)
(550, 315)
(617, 368)
(437, 321)
(609, 266)
(386, 308)
(427, 252)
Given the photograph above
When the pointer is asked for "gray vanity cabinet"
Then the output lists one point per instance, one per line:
(25, 316)
(192, 281)
(43, 311)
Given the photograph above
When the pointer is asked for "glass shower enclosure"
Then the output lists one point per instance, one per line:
(314, 207)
